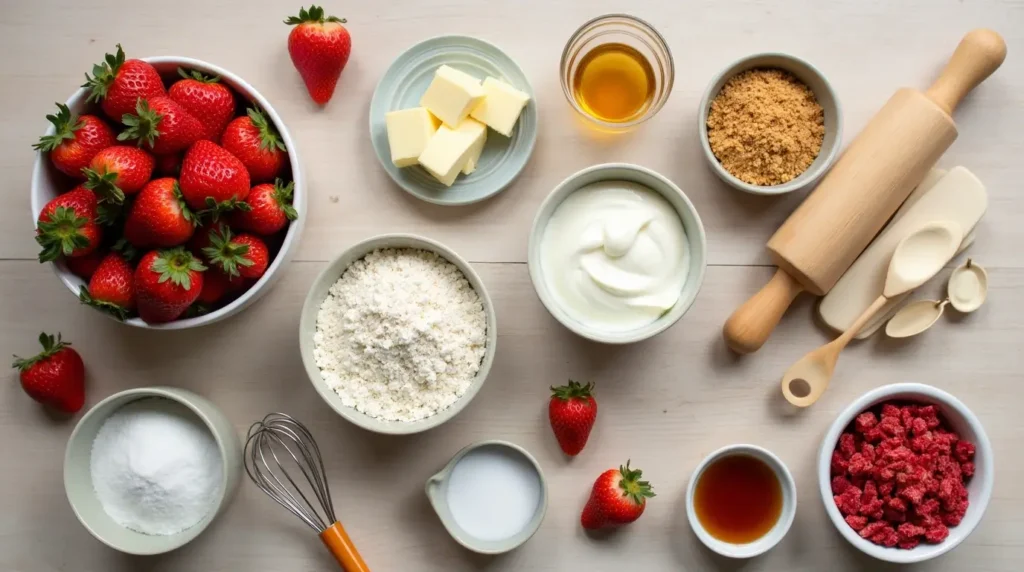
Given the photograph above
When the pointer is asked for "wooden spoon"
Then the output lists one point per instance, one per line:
(918, 257)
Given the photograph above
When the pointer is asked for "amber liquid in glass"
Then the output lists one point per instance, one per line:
(614, 83)
(738, 499)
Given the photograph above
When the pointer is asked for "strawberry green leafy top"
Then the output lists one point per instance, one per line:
(269, 139)
(103, 75)
(64, 126)
(314, 14)
(177, 265)
(572, 391)
(633, 487)
(50, 345)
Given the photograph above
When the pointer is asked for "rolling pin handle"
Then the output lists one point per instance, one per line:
(979, 54)
(750, 325)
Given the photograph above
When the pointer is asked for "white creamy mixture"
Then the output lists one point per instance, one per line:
(615, 255)
(401, 335)
(156, 467)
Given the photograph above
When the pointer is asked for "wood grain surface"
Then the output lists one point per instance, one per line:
(665, 403)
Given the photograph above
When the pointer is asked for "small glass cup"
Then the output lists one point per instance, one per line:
(619, 29)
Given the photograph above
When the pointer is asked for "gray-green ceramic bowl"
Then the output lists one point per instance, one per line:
(404, 83)
(815, 80)
(78, 480)
(318, 293)
(691, 224)
(437, 493)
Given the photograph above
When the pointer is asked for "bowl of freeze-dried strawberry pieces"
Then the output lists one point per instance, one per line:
(167, 192)
(906, 472)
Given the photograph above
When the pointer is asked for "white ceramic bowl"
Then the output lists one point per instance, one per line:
(961, 420)
(691, 224)
(47, 183)
(777, 532)
(78, 478)
(318, 293)
(826, 97)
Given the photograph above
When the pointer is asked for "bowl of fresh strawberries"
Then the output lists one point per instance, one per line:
(167, 192)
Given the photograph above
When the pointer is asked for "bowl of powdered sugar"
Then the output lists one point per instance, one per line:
(147, 470)
(398, 334)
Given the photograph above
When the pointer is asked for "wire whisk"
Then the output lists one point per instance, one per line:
(277, 446)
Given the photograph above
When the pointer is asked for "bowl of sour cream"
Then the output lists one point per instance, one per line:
(617, 253)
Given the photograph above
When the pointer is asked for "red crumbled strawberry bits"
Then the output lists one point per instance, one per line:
(898, 475)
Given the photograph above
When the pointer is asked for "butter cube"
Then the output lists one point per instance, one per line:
(449, 150)
(475, 152)
(452, 95)
(500, 109)
(409, 130)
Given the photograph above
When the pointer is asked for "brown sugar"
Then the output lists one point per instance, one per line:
(765, 127)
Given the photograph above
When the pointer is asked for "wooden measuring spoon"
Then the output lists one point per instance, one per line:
(918, 257)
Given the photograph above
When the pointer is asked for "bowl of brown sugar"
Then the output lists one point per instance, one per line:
(770, 124)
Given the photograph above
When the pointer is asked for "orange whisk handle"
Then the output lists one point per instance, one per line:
(337, 541)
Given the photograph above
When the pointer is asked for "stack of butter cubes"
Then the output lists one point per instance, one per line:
(447, 133)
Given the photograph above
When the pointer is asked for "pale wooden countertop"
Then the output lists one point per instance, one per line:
(664, 404)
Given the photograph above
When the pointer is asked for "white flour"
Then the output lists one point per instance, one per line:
(401, 335)
(156, 467)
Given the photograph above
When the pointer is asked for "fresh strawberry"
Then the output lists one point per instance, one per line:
(167, 282)
(256, 143)
(67, 225)
(319, 47)
(270, 209)
(112, 287)
(118, 171)
(572, 412)
(55, 377)
(84, 266)
(618, 497)
(159, 217)
(244, 255)
(168, 165)
(118, 84)
(217, 285)
(212, 178)
(75, 140)
(162, 126)
(208, 100)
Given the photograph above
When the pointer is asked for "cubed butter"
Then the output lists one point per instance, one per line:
(449, 150)
(501, 106)
(452, 95)
(476, 151)
(409, 131)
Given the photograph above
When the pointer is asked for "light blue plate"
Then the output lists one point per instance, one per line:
(405, 82)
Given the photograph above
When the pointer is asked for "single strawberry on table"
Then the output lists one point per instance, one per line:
(270, 209)
(319, 46)
(118, 171)
(112, 287)
(242, 255)
(159, 217)
(118, 84)
(162, 126)
(253, 139)
(75, 140)
(618, 497)
(167, 282)
(572, 412)
(67, 226)
(206, 99)
(55, 377)
(212, 178)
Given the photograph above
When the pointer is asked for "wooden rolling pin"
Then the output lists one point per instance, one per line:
(875, 174)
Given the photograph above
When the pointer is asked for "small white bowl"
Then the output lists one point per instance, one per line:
(777, 532)
(78, 477)
(47, 184)
(826, 97)
(691, 224)
(961, 420)
(319, 291)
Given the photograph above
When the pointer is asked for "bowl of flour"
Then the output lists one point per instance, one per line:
(398, 334)
(147, 470)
